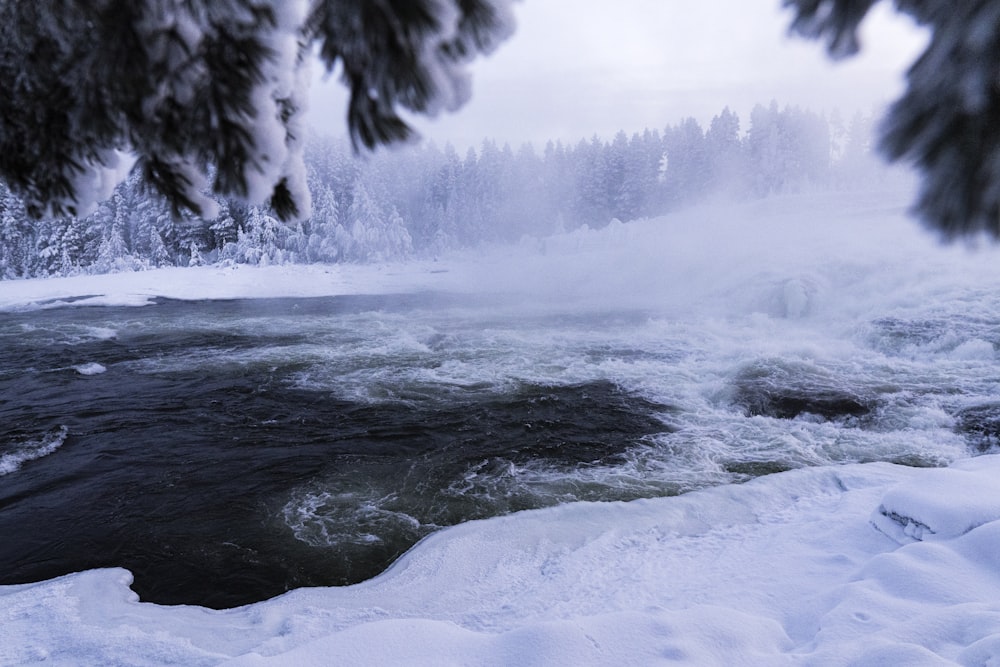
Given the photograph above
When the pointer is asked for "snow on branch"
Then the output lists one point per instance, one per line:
(945, 123)
(209, 94)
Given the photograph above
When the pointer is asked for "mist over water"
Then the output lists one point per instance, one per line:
(227, 451)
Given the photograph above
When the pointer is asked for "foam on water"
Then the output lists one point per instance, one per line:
(702, 366)
(328, 518)
(770, 359)
(902, 410)
(92, 368)
(15, 454)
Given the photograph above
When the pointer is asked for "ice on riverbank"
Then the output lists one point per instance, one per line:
(786, 569)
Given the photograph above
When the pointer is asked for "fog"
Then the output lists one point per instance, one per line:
(418, 202)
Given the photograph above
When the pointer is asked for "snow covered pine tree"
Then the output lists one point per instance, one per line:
(208, 94)
(946, 122)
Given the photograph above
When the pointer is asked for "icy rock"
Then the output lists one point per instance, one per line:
(92, 368)
(941, 504)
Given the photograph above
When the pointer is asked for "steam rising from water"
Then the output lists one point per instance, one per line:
(640, 360)
(796, 335)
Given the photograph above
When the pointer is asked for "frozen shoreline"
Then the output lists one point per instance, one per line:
(870, 563)
(786, 569)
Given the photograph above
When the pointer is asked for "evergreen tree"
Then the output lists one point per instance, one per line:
(16, 238)
(487, 181)
(223, 228)
(425, 200)
(623, 199)
(208, 95)
(396, 241)
(195, 257)
(374, 234)
(328, 240)
(70, 249)
(187, 85)
(145, 214)
(559, 180)
(113, 256)
(764, 150)
(687, 172)
(443, 204)
(945, 123)
(260, 240)
(158, 254)
(591, 204)
(838, 135)
(642, 171)
(805, 149)
(727, 165)
(859, 166)
(528, 203)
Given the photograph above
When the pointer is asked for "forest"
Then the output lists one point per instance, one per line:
(421, 200)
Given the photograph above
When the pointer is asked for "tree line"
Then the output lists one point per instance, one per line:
(423, 200)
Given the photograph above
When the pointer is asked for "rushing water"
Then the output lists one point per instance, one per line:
(227, 451)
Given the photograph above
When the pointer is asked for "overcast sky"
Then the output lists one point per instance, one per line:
(575, 68)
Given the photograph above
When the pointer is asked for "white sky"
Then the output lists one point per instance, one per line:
(574, 68)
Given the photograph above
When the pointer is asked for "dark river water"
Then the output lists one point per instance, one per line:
(183, 473)
(228, 451)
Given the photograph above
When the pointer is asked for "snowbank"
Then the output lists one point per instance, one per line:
(930, 508)
(786, 569)
(857, 564)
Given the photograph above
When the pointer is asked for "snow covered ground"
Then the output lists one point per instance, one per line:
(873, 564)
(786, 569)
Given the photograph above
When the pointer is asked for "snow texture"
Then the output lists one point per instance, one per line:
(783, 570)
(201, 89)
(931, 509)
(867, 564)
